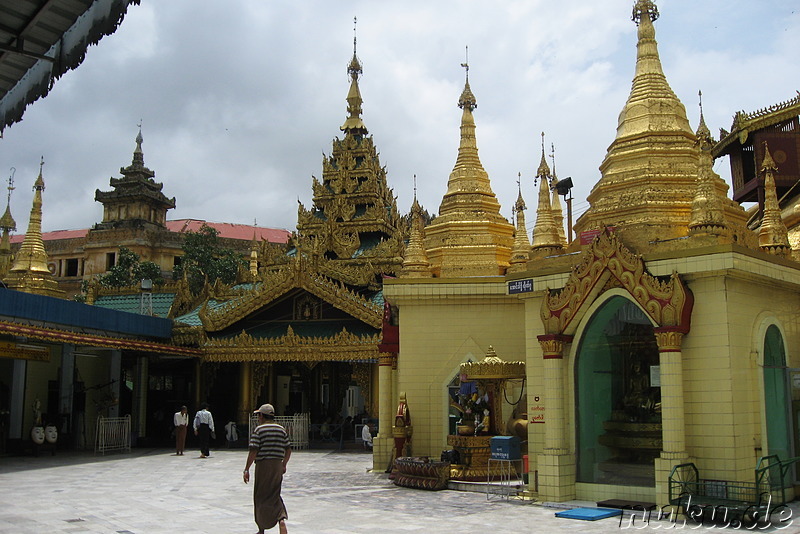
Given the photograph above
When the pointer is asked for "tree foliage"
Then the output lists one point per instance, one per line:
(130, 270)
(204, 258)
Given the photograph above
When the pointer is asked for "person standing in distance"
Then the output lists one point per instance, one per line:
(270, 451)
(181, 422)
(203, 427)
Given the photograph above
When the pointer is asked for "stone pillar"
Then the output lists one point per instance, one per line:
(16, 417)
(383, 442)
(140, 388)
(66, 389)
(673, 422)
(556, 464)
(245, 393)
(115, 377)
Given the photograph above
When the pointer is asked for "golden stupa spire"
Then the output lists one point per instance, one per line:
(7, 224)
(415, 260)
(649, 173)
(772, 236)
(520, 254)
(708, 216)
(469, 237)
(555, 201)
(353, 124)
(30, 273)
(545, 234)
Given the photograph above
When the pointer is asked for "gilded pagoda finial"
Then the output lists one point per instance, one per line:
(467, 99)
(772, 236)
(703, 134)
(30, 272)
(7, 222)
(544, 169)
(469, 237)
(545, 235)
(353, 124)
(555, 201)
(415, 260)
(647, 8)
(520, 254)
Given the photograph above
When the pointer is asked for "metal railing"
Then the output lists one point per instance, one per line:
(297, 426)
(113, 434)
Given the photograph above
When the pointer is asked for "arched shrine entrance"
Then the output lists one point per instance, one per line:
(618, 398)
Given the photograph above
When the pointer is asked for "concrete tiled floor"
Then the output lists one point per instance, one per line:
(152, 492)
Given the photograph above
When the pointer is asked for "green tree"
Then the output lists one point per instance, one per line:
(205, 259)
(130, 270)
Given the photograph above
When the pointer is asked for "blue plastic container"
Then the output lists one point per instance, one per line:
(505, 447)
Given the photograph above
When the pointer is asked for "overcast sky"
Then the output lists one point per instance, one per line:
(238, 100)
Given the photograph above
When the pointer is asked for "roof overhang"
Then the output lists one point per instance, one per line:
(40, 40)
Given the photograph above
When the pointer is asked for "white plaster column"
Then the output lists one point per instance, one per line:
(673, 420)
(382, 444)
(556, 464)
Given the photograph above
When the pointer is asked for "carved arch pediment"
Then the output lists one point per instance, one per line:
(666, 299)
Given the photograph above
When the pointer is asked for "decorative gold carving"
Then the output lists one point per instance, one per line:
(669, 340)
(342, 346)
(666, 300)
(492, 367)
(361, 375)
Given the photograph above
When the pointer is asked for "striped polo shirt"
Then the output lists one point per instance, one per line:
(271, 440)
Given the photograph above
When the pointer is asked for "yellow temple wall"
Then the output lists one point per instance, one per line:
(445, 323)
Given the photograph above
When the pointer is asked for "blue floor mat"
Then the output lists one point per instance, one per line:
(588, 514)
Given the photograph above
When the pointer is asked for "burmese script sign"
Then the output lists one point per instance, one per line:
(520, 286)
(24, 352)
(537, 410)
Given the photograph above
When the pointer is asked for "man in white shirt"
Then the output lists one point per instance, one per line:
(203, 427)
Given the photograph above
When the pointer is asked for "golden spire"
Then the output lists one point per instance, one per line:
(649, 174)
(520, 254)
(555, 201)
(415, 261)
(772, 236)
(545, 234)
(708, 216)
(254, 256)
(469, 237)
(353, 124)
(30, 273)
(7, 224)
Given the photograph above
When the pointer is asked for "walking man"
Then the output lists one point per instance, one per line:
(270, 450)
(181, 422)
(203, 428)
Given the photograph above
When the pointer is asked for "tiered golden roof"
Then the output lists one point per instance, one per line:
(469, 237)
(493, 368)
(30, 272)
(354, 221)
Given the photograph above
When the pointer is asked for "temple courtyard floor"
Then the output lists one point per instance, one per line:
(152, 491)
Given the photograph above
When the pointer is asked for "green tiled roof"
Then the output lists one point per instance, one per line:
(133, 303)
(193, 317)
